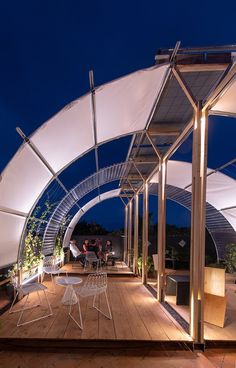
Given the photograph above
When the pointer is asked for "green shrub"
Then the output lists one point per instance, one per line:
(230, 258)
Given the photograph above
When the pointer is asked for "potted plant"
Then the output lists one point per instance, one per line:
(140, 264)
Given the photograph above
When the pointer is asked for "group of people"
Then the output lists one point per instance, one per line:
(95, 246)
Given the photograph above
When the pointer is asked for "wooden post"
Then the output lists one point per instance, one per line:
(197, 261)
(126, 233)
(135, 258)
(161, 239)
(130, 229)
(145, 233)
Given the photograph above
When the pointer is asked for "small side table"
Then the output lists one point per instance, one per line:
(69, 297)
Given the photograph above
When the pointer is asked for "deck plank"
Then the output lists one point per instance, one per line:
(136, 316)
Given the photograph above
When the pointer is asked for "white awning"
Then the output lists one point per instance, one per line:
(220, 192)
(226, 104)
(122, 108)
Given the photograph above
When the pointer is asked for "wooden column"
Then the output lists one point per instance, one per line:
(197, 261)
(126, 234)
(145, 233)
(130, 229)
(135, 258)
(161, 239)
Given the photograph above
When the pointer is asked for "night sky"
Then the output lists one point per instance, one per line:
(48, 48)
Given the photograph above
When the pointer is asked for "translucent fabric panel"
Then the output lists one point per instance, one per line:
(23, 180)
(124, 105)
(11, 229)
(221, 191)
(179, 174)
(226, 103)
(67, 134)
(85, 208)
(230, 215)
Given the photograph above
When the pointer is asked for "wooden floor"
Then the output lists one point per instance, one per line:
(120, 268)
(136, 316)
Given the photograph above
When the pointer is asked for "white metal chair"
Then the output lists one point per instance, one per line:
(51, 268)
(26, 290)
(95, 284)
(91, 259)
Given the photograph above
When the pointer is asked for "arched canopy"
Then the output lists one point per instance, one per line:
(179, 175)
(122, 107)
(153, 99)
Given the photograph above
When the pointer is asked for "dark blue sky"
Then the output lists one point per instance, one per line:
(48, 47)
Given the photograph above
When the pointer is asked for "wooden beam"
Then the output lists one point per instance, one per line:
(136, 225)
(165, 129)
(155, 149)
(135, 177)
(122, 195)
(125, 234)
(185, 88)
(198, 222)
(145, 234)
(180, 139)
(130, 228)
(144, 159)
(161, 242)
(127, 189)
(202, 67)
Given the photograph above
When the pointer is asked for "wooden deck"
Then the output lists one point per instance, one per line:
(136, 316)
(120, 268)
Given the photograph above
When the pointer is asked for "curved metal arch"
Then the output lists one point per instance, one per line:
(104, 176)
(214, 218)
(100, 198)
(217, 225)
(219, 228)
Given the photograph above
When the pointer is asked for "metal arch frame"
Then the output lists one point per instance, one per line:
(188, 194)
(124, 166)
(153, 191)
(222, 87)
(106, 175)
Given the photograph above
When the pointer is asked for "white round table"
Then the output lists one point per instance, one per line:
(68, 282)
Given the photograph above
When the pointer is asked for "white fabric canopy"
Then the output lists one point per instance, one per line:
(226, 104)
(104, 196)
(23, 180)
(67, 134)
(116, 117)
(11, 230)
(122, 108)
(220, 192)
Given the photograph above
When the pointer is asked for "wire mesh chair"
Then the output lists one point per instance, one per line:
(51, 268)
(26, 290)
(95, 284)
(92, 260)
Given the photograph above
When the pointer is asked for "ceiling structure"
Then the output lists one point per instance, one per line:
(154, 105)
